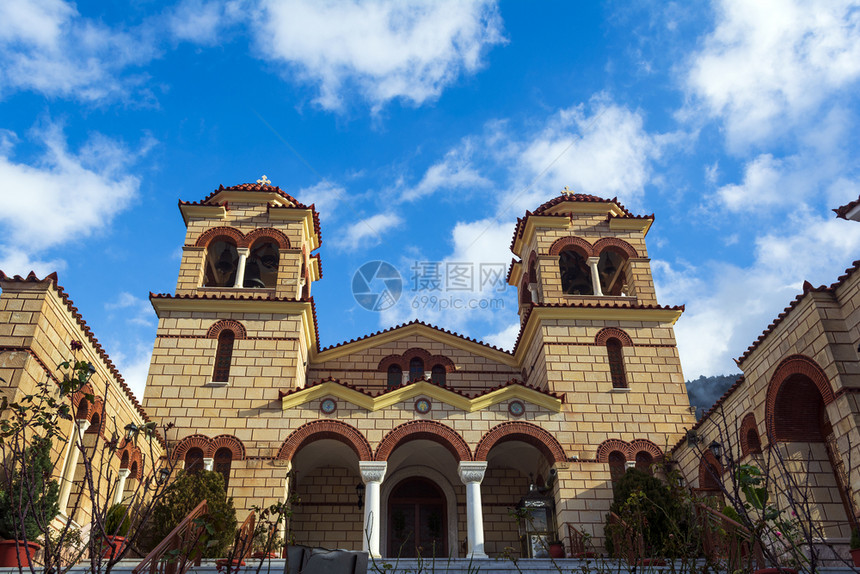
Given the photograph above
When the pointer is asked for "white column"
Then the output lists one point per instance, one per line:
(120, 485)
(208, 463)
(78, 431)
(372, 474)
(282, 529)
(595, 276)
(533, 291)
(472, 473)
(243, 252)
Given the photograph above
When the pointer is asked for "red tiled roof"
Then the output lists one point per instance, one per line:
(807, 288)
(842, 212)
(52, 278)
(454, 390)
(713, 409)
(574, 197)
(416, 322)
(312, 207)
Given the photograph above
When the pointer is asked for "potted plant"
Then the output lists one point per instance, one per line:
(27, 504)
(855, 546)
(117, 523)
(556, 549)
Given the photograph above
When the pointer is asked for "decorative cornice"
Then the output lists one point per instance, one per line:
(363, 399)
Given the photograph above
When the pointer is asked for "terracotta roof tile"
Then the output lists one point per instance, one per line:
(807, 288)
(416, 322)
(842, 212)
(52, 278)
(713, 409)
(573, 197)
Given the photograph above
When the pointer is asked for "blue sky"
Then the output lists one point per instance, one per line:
(421, 130)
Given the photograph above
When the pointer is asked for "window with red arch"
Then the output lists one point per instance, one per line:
(223, 462)
(617, 465)
(194, 460)
(616, 363)
(610, 271)
(223, 356)
(575, 273)
(644, 462)
(395, 376)
(438, 374)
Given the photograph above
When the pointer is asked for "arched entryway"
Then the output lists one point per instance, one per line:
(417, 519)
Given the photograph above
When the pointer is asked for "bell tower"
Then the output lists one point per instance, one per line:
(239, 328)
(591, 327)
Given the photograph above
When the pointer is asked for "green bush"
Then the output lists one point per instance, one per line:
(181, 497)
(32, 493)
(855, 539)
(660, 511)
(117, 521)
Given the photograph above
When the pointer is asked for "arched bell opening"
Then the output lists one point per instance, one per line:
(575, 273)
(222, 262)
(261, 270)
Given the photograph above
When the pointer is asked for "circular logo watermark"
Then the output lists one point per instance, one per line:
(377, 285)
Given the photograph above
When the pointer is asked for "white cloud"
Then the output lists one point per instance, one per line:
(770, 64)
(135, 310)
(728, 305)
(505, 338)
(367, 232)
(326, 197)
(64, 196)
(132, 361)
(601, 149)
(48, 47)
(384, 48)
(455, 171)
(201, 21)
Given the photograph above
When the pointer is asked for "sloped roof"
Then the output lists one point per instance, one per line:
(842, 212)
(52, 278)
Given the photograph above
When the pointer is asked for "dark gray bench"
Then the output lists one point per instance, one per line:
(308, 560)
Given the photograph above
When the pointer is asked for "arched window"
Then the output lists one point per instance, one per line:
(610, 270)
(261, 270)
(416, 369)
(223, 356)
(222, 260)
(753, 441)
(617, 463)
(95, 424)
(124, 460)
(438, 375)
(83, 410)
(575, 273)
(395, 376)
(223, 460)
(644, 460)
(616, 363)
(194, 460)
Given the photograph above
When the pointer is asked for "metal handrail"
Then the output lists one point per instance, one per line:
(724, 538)
(182, 542)
(575, 540)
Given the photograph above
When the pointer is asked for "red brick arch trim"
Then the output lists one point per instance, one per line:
(403, 361)
(610, 445)
(134, 456)
(96, 408)
(575, 243)
(526, 432)
(525, 294)
(643, 444)
(790, 366)
(87, 408)
(326, 429)
(748, 424)
(532, 267)
(426, 430)
(200, 441)
(614, 244)
(612, 333)
(227, 441)
(214, 233)
(235, 326)
(268, 233)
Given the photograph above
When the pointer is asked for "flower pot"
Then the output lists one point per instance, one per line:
(10, 554)
(556, 550)
(264, 555)
(775, 571)
(114, 547)
(855, 556)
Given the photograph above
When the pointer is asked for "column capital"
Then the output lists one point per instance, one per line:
(593, 260)
(246, 251)
(83, 424)
(123, 473)
(208, 463)
(371, 470)
(472, 471)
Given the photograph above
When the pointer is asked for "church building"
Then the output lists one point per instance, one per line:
(416, 438)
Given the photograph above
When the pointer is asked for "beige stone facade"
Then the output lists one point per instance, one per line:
(291, 415)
